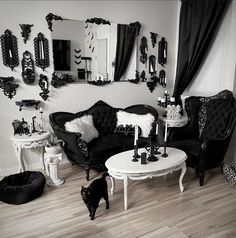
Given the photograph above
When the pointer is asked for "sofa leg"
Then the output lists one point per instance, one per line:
(87, 173)
(201, 178)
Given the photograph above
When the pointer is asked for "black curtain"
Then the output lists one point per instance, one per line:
(198, 22)
(126, 35)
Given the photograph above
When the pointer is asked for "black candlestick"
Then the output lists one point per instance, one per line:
(136, 155)
(164, 154)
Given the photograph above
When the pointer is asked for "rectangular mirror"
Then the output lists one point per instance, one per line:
(87, 51)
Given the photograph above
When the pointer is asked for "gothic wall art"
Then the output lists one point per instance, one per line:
(27, 63)
(8, 86)
(43, 84)
(41, 51)
(26, 29)
(9, 50)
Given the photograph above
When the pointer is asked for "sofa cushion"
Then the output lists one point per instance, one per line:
(127, 130)
(145, 122)
(83, 125)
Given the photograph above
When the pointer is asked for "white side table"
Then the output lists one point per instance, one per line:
(21, 142)
(52, 169)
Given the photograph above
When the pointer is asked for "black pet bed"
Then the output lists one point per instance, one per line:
(22, 188)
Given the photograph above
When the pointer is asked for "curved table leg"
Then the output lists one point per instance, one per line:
(183, 171)
(112, 185)
(42, 158)
(126, 192)
(18, 152)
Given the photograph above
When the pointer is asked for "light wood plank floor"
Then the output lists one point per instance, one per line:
(156, 209)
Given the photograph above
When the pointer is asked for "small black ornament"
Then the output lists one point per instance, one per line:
(26, 29)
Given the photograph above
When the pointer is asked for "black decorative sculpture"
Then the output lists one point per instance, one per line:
(27, 63)
(41, 51)
(143, 50)
(50, 17)
(9, 88)
(59, 79)
(143, 76)
(153, 38)
(28, 103)
(162, 51)
(137, 78)
(25, 31)
(97, 21)
(43, 83)
(152, 65)
(152, 83)
(99, 82)
(137, 26)
(20, 127)
(9, 50)
(162, 78)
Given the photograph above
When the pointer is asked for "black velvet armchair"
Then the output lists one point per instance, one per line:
(206, 137)
(95, 153)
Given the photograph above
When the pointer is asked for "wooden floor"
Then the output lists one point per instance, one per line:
(156, 209)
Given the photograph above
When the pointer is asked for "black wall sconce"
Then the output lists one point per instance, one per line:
(152, 83)
(162, 51)
(9, 50)
(50, 17)
(143, 50)
(143, 76)
(9, 88)
(41, 51)
(162, 78)
(27, 63)
(152, 65)
(26, 29)
(153, 38)
(43, 84)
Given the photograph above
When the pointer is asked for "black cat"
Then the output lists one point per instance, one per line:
(92, 194)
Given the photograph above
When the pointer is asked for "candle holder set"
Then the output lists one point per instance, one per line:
(165, 100)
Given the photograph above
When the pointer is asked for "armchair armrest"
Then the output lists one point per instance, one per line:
(183, 133)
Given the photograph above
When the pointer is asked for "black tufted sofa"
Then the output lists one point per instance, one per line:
(207, 135)
(95, 153)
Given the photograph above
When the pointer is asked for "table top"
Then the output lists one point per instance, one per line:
(34, 137)
(122, 162)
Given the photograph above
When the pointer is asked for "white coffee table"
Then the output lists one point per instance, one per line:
(121, 166)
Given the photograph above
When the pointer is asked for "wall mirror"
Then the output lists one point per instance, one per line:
(87, 51)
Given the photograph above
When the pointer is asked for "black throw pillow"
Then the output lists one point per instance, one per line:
(127, 130)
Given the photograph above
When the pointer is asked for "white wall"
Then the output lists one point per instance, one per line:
(155, 16)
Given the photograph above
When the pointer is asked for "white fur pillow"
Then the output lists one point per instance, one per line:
(83, 125)
(143, 121)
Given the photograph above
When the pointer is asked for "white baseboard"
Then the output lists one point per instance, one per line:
(34, 166)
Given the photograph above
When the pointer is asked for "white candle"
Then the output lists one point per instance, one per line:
(42, 56)
(40, 109)
(135, 134)
(156, 129)
(165, 80)
(165, 138)
(10, 54)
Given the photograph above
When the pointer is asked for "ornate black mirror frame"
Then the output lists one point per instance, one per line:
(9, 88)
(26, 29)
(9, 49)
(162, 51)
(152, 65)
(50, 17)
(41, 51)
(27, 63)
